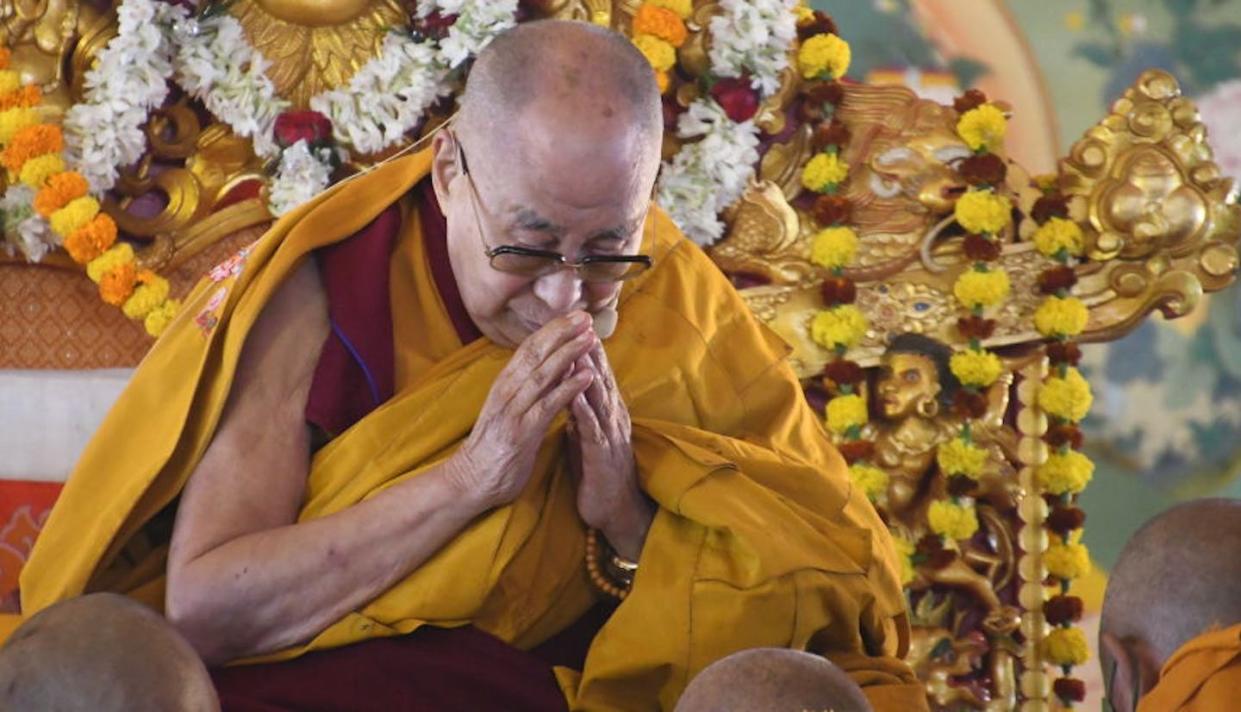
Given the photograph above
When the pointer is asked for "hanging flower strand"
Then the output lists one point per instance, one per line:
(984, 213)
(1065, 396)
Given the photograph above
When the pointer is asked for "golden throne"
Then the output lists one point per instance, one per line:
(1158, 227)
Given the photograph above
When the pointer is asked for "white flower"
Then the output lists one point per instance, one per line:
(302, 175)
(24, 231)
(1221, 112)
(754, 36)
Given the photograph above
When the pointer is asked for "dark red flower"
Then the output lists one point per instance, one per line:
(1069, 689)
(1048, 207)
(820, 24)
(1059, 610)
(828, 91)
(435, 25)
(986, 169)
(968, 404)
(976, 327)
(855, 450)
(931, 549)
(960, 486)
(833, 133)
(1063, 520)
(1055, 279)
(832, 210)
(844, 372)
(1064, 353)
(1064, 434)
(980, 249)
(294, 126)
(672, 112)
(838, 290)
(739, 100)
(969, 100)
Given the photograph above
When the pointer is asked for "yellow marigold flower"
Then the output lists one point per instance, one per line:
(117, 284)
(661, 80)
(951, 520)
(823, 172)
(683, 8)
(983, 212)
(9, 81)
(149, 295)
(977, 368)
(14, 120)
(905, 551)
(659, 53)
(957, 457)
(824, 55)
(660, 22)
(36, 171)
(804, 14)
(158, 318)
(77, 213)
(982, 128)
(1059, 234)
(114, 257)
(843, 325)
(982, 289)
(1066, 473)
(845, 412)
(834, 247)
(89, 241)
(1058, 316)
(872, 480)
(59, 191)
(1066, 646)
(1068, 398)
(1067, 559)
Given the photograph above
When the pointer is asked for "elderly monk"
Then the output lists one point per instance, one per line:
(415, 444)
(1170, 635)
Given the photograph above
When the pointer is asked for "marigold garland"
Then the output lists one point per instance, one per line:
(31, 153)
(824, 56)
(834, 247)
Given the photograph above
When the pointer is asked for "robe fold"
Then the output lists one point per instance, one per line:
(1203, 675)
(759, 539)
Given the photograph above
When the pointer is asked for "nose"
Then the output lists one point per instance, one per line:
(561, 290)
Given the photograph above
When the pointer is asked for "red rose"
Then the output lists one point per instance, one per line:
(971, 99)
(294, 126)
(1060, 610)
(980, 249)
(1048, 207)
(738, 99)
(838, 291)
(987, 169)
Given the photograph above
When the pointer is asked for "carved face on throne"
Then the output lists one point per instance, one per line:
(914, 379)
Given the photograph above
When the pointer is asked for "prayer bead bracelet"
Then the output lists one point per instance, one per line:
(622, 570)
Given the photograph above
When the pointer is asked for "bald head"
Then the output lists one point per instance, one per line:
(102, 652)
(772, 679)
(1179, 576)
(588, 76)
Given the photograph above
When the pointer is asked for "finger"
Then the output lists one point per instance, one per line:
(555, 369)
(589, 427)
(534, 419)
(539, 346)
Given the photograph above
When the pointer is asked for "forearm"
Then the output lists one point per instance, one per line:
(268, 590)
(626, 531)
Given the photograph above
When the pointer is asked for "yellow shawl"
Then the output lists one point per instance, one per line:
(760, 539)
(1204, 675)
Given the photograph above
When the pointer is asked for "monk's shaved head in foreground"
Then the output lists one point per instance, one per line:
(774, 680)
(1179, 576)
(102, 653)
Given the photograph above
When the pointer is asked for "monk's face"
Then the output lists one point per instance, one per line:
(578, 189)
(905, 381)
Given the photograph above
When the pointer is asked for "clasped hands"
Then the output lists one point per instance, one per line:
(562, 366)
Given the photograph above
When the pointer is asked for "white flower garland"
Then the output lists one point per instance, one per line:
(708, 175)
(104, 131)
(303, 174)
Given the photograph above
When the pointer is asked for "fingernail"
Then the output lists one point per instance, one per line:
(579, 318)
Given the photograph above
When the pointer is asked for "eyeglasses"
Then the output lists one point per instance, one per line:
(532, 262)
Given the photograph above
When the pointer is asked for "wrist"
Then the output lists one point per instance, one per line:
(626, 530)
(459, 474)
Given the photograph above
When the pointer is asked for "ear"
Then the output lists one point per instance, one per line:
(1134, 670)
(445, 167)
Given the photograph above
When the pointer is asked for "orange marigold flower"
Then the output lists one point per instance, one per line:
(28, 96)
(89, 241)
(118, 283)
(661, 22)
(30, 142)
(59, 191)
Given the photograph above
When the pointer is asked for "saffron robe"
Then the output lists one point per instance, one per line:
(1203, 675)
(760, 538)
